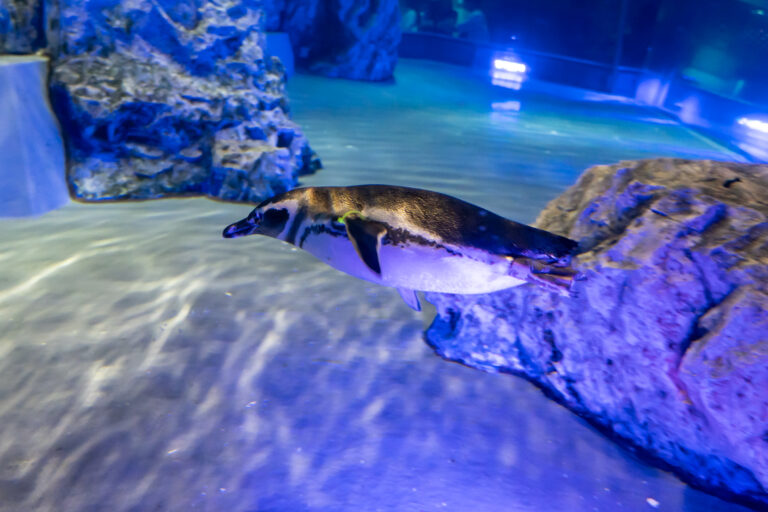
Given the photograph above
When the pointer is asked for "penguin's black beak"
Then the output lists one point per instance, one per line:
(238, 229)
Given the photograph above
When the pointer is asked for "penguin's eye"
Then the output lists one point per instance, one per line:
(276, 217)
(255, 217)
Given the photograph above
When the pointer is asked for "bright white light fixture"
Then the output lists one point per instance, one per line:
(754, 124)
(503, 64)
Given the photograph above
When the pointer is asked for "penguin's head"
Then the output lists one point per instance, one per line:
(269, 218)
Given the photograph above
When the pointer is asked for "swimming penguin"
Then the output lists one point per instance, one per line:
(412, 239)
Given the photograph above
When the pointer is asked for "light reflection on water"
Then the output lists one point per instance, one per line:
(148, 364)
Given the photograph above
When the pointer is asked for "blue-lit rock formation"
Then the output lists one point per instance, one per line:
(665, 343)
(176, 99)
(21, 26)
(354, 39)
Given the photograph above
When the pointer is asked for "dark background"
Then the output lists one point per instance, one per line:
(720, 45)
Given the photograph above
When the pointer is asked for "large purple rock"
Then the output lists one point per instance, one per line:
(665, 342)
(354, 39)
(178, 99)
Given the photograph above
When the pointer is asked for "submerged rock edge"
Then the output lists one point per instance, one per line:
(179, 100)
(662, 346)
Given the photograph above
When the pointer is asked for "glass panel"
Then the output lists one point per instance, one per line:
(720, 46)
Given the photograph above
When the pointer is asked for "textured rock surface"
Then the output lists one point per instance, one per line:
(665, 343)
(354, 39)
(21, 26)
(176, 99)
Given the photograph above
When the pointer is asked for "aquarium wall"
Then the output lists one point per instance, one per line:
(31, 148)
(710, 59)
(699, 61)
(719, 46)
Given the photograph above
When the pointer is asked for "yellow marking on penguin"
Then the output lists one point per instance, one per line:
(343, 218)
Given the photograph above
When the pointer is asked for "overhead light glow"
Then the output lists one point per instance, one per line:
(754, 124)
(509, 65)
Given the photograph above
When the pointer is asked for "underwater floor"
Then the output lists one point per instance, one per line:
(147, 364)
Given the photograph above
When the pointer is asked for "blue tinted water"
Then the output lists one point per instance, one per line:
(148, 364)
(442, 128)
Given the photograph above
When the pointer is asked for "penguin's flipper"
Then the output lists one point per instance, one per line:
(366, 236)
(410, 298)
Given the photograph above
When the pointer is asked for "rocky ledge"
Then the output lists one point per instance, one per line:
(664, 344)
(173, 99)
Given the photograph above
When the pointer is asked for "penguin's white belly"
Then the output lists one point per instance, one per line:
(417, 267)
(437, 270)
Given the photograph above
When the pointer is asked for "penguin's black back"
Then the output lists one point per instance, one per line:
(455, 221)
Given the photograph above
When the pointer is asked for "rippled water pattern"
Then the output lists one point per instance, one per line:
(146, 364)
